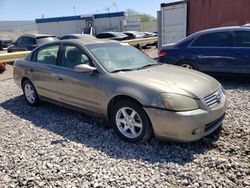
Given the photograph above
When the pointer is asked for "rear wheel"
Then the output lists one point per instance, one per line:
(131, 122)
(30, 93)
(188, 65)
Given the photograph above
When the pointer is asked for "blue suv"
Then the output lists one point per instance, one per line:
(218, 51)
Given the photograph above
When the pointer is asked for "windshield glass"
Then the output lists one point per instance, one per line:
(43, 40)
(115, 56)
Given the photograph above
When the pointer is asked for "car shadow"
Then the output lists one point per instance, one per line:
(76, 127)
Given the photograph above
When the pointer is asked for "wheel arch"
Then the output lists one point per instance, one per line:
(188, 61)
(26, 78)
(122, 97)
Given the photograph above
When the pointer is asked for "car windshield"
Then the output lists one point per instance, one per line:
(116, 57)
(43, 40)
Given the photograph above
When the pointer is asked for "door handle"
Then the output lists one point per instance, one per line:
(59, 78)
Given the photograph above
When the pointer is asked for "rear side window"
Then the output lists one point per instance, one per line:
(242, 39)
(220, 39)
(28, 41)
(47, 55)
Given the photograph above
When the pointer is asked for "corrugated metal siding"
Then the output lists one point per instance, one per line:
(204, 14)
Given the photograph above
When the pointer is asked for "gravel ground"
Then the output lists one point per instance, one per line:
(8, 73)
(51, 146)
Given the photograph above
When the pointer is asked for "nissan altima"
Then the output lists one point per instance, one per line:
(118, 83)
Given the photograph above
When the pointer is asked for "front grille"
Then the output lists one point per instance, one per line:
(214, 99)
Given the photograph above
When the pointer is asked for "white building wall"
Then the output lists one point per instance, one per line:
(62, 28)
(108, 24)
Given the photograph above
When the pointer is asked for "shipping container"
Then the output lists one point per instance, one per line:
(199, 15)
(173, 22)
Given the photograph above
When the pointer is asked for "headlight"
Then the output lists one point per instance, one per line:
(177, 102)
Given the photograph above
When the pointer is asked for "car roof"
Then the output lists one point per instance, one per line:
(110, 32)
(86, 41)
(37, 35)
(212, 30)
(229, 28)
(79, 35)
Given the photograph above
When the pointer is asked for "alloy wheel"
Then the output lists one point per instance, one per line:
(129, 122)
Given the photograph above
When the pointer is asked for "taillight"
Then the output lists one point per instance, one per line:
(162, 53)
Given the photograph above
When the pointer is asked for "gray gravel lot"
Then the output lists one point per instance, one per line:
(50, 146)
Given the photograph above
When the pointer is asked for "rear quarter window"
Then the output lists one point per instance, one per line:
(242, 39)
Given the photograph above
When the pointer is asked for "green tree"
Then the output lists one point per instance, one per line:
(144, 17)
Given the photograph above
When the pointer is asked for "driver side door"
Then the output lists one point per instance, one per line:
(77, 89)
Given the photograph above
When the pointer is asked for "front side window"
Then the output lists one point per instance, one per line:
(47, 55)
(219, 39)
(242, 39)
(73, 56)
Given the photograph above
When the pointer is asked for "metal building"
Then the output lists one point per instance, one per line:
(59, 26)
(179, 19)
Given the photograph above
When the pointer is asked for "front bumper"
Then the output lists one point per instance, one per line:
(186, 126)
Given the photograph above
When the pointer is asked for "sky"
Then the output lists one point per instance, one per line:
(32, 9)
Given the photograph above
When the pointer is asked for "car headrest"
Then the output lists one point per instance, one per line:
(50, 59)
(73, 55)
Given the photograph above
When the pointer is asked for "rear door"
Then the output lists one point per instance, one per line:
(242, 52)
(43, 70)
(212, 52)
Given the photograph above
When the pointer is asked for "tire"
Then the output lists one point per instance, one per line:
(131, 129)
(30, 93)
(188, 65)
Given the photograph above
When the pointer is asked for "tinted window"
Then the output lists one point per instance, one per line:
(101, 35)
(19, 40)
(242, 39)
(47, 55)
(221, 39)
(73, 56)
(65, 37)
(28, 41)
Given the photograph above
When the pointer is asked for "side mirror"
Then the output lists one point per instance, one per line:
(84, 68)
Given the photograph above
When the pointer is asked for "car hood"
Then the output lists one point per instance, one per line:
(173, 79)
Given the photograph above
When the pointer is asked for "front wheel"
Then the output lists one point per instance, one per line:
(30, 93)
(131, 122)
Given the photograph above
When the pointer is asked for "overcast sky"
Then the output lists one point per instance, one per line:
(32, 9)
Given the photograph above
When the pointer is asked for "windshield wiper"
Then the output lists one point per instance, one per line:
(119, 70)
(149, 65)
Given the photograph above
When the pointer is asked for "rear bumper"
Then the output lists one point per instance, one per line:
(186, 126)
